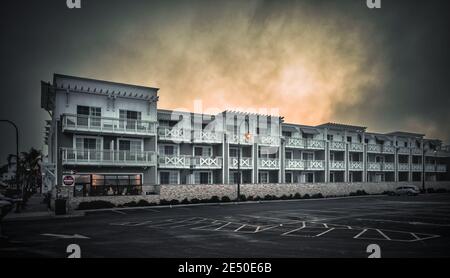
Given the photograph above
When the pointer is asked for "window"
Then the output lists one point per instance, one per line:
(309, 177)
(129, 119)
(134, 146)
(288, 177)
(107, 185)
(168, 177)
(233, 152)
(308, 156)
(289, 155)
(287, 134)
(349, 139)
(330, 137)
(263, 177)
(366, 141)
(203, 178)
(89, 116)
(203, 151)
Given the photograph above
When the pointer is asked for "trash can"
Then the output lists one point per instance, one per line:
(60, 207)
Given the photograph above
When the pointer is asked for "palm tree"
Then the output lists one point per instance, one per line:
(30, 169)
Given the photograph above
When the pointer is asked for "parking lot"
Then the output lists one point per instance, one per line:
(401, 226)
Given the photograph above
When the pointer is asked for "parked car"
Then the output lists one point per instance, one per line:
(409, 190)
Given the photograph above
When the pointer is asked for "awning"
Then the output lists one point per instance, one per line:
(383, 137)
(306, 130)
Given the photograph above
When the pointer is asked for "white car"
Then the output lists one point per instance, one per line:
(409, 190)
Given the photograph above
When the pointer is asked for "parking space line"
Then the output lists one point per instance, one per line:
(360, 234)
(327, 231)
(298, 229)
(240, 228)
(189, 224)
(118, 211)
(383, 234)
(223, 226)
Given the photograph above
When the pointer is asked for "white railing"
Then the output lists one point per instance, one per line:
(295, 164)
(174, 134)
(268, 163)
(403, 150)
(315, 144)
(373, 148)
(356, 166)
(246, 163)
(403, 167)
(374, 166)
(108, 157)
(441, 168)
(416, 167)
(295, 142)
(207, 162)
(388, 149)
(201, 136)
(174, 161)
(239, 138)
(388, 166)
(311, 165)
(268, 140)
(71, 122)
(356, 147)
(416, 151)
(337, 146)
(337, 165)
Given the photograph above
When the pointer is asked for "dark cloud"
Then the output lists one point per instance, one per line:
(404, 46)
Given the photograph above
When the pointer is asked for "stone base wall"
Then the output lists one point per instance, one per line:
(182, 191)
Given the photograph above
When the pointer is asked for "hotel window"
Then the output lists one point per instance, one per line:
(308, 156)
(168, 177)
(330, 137)
(263, 177)
(130, 149)
(88, 116)
(203, 178)
(129, 119)
(233, 152)
(349, 139)
(287, 134)
(288, 177)
(168, 150)
(203, 151)
(88, 148)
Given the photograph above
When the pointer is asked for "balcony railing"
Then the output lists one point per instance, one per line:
(416, 151)
(430, 168)
(174, 134)
(239, 138)
(416, 167)
(388, 149)
(201, 136)
(356, 166)
(107, 157)
(378, 166)
(441, 168)
(337, 165)
(315, 144)
(373, 148)
(174, 161)
(246, 163)
(268, 163)
(268, 140)
(295, 142)
(201, 162)
(404, 150)
(307, 165)
(404, 167)
(337, 146)
(356, 147)
(295, 164)
(85, 123)
(312, 165)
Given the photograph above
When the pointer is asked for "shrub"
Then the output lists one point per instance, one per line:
(130, 204)
(257, 198)
(268, 197)
(95, 205)
(195, 201)
(164, 202)
(297, 196)
(291, 196)
(215, 199)
(143, 203)
(306, 196)
(431, 190)
(441, 190)
(225, 199)
(250, 198)
(185, 201)
(174, 202)
(317, 196)
(284, 197)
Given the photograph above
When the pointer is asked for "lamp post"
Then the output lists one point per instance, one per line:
(17, 149)
(247, 137)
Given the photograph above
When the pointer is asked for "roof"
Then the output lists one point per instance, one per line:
(343, 126)
(406, 134)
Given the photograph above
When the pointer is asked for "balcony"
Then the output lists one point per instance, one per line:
(200, 162)
(356, 166)
(269, 163)
(416, 167)
(239, 139)
(246, 163)
(337, 165)
(83, 123)
(416, 151)
(388, 149)
(441, 168)
(107, 158)
(295, 164)
(208, 137)
(174, 134)
(403, 167)
(315, 144)
(378, 166)
(174, 161)
(337, 146)
(373, 148)
(295, 142)
(268, 140)
(430, 168)
(356, 147)
(314, 165)
(403, 150)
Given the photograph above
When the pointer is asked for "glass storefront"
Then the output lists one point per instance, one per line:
(107, 185)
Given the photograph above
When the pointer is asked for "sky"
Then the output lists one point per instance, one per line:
(314, 61)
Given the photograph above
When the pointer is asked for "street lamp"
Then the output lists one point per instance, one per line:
(247, 137)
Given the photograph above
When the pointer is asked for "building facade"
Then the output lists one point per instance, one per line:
(115, 141)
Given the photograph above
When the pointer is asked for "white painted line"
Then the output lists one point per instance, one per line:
(414, 235)
(119, 212)
(188, 224)
(383, 234)
(141, 223)
(325, 225)
(298, 229)
(327, 231)
(240, 228)
(267, 228)
(222, 226)
(358, 235)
